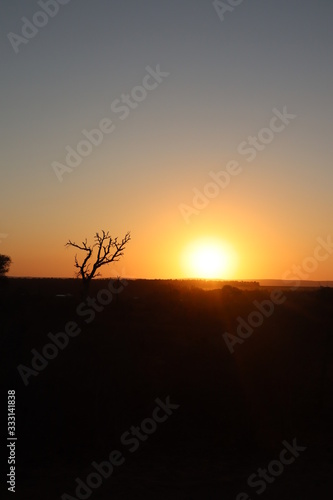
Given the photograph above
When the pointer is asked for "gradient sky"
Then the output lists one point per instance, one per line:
(225, 79)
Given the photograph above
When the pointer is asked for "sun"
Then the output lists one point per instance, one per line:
(208, 262)
(209, 259)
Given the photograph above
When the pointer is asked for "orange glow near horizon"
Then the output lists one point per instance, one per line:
(167, 249)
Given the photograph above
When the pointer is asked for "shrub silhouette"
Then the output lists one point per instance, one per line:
(5, 262)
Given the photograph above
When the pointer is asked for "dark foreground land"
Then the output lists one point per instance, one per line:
(155, 343)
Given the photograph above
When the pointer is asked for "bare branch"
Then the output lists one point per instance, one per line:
(108, 250)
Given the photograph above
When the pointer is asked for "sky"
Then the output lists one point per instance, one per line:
(214, 134)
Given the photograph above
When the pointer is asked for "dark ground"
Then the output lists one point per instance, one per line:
(158, 339)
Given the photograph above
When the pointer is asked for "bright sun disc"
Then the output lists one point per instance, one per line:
(208, 260)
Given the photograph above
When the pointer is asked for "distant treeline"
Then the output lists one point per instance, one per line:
(54, 286)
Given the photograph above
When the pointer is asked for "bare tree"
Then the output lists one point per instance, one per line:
(103, 251)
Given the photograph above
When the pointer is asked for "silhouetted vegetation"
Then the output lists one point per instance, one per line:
(5, 262)
(102, 252)
(165, 338)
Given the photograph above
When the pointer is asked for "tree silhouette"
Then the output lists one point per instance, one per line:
(103, 251)
(5, 262)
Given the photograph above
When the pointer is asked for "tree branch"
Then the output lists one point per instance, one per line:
(105, 245)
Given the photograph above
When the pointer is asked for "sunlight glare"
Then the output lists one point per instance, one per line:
(209, 259)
